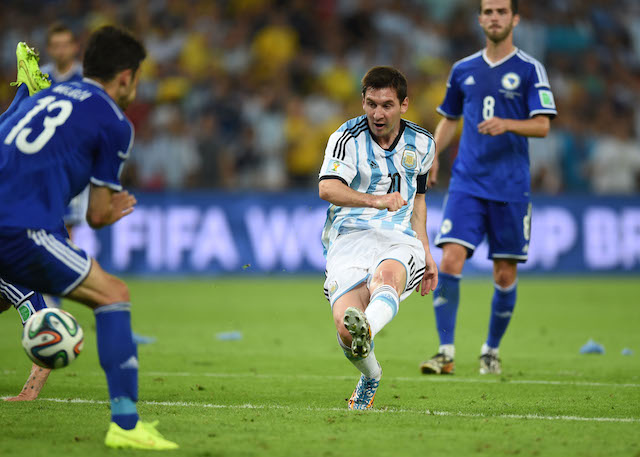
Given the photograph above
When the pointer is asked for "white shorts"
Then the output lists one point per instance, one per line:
(353, 258)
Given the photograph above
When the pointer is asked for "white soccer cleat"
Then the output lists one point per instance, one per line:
(357, 324)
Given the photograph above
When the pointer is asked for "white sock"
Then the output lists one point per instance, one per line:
(382, 308)
(448, 349)
(368, 366)
(488, 350)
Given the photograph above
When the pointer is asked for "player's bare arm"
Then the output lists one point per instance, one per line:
(444, 134)
(338, 193)
(107, 206)
(33, 386)
(537, 126)
(419, 225)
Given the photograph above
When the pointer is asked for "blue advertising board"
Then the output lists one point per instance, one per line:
(257, 233)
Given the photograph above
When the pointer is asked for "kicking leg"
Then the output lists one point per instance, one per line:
(346, 310)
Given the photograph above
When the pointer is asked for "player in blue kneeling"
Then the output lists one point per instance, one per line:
(504, 96)
(52, 145)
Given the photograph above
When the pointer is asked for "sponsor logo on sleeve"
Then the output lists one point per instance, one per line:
(546, 99)
(334, 167)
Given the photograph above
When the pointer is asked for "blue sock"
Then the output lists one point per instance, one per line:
(504, 300)
(119, 360)
(21, 94)
(445, 304)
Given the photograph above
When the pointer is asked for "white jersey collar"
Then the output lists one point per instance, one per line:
(499, 62)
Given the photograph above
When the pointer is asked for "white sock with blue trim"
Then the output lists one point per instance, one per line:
(382, 308)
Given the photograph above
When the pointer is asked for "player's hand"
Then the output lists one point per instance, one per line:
(392, 202)
(430, 277)
(122, 204)
(493, 126)
(433, 173)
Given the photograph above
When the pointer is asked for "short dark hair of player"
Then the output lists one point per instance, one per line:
(59, 27)
(382, 77)
(109, 51)
(514, 6)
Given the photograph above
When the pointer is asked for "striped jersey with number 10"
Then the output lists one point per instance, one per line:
(353, 157)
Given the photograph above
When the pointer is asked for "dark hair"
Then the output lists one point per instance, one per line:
(109, 51)
(382, 77)
(514, 6)
(59, 27)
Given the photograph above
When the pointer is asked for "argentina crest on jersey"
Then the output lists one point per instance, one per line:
(409, 157)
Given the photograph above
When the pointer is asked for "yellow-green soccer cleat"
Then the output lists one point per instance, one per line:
(29, 71)
(143, 436)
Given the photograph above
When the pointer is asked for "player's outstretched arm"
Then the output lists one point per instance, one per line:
(419, 225)
(33, 386)
(445, 131)
(338, 193)
(107, 206)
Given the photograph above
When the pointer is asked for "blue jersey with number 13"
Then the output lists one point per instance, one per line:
(57, 142)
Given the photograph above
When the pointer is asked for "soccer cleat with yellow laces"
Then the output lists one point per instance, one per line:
(143, 436)
(28, 70)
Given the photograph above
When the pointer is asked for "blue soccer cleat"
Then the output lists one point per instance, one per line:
(364, 393)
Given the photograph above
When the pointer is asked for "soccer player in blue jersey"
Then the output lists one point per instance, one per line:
(375, 175)
(54, 144)
(504, 96)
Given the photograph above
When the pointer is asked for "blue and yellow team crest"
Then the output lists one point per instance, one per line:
(409, 157)
(334, 166)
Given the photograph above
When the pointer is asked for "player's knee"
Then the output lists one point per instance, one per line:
(453, 258)
(505, 276)
(388, 277)
(118, 291)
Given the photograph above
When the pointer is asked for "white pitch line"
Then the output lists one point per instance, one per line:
(425, 412)
(445, 379)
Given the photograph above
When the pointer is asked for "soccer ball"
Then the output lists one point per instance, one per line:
(52, 338)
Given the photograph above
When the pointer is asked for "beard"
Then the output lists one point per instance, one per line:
(498, 36)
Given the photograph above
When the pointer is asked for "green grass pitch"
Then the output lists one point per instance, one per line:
(280, 389)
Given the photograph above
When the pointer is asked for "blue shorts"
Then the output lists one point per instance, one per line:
(43, 261)
(467, 219)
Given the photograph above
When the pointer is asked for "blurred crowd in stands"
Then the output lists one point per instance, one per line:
(243, 94)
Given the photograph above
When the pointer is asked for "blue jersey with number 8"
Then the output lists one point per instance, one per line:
(517, 87)
(57, 142)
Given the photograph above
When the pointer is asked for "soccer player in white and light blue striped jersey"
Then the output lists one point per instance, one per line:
(504, 96)
(374, 175)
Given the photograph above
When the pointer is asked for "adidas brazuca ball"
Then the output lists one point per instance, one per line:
(52, 338)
